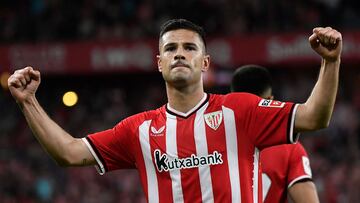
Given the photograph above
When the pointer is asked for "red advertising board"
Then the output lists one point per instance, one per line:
(140, 55)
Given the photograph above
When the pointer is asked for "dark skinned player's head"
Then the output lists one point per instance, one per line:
(252, 79)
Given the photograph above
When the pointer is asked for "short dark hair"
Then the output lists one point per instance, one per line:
(176, 24)
(253, 79)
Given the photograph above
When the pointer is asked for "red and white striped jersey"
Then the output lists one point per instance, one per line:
(210, 154)
(282, 167)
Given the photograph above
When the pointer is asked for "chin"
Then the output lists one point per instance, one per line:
(180, 75)
(179, 81)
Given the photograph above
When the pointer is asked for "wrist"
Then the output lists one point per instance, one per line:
(28, 101)
(331, 60)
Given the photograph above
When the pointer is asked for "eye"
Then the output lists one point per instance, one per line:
(170, 48)
(190, 48)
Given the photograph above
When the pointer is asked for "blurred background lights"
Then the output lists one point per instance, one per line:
(70, 98)
(3, 79)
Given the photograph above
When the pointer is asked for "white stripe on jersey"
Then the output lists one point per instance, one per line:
(171, 150)
(99, 167)
(256, 176)
(297, 179)
(292, 125)
(202, 150)
(232, 154)
(153, 190)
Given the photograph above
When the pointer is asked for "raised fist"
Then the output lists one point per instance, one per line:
(327, 42)
(24, 83)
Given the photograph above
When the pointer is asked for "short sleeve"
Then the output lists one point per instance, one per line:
(112, 148)
(299, 166)
(272, 122)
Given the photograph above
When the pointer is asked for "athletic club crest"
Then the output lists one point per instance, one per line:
(213, 119)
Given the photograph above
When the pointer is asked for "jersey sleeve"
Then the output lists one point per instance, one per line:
(112, 148)
(299, 166)
(271, 122)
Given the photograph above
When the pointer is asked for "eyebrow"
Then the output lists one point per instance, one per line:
(175, 44)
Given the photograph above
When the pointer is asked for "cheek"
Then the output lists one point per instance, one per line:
(197, 62)
(163, 62)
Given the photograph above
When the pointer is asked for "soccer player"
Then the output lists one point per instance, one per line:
(198, 147)
(285, 168)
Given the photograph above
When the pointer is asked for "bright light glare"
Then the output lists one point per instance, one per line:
(3, 79)
(70, 98)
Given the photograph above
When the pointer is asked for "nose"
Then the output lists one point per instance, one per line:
(179, 54)
(179, 57)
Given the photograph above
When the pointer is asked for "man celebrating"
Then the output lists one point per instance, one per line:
(198, 147)
(285, 168)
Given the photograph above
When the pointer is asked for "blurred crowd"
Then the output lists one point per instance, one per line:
(27, 173)
(54, 20)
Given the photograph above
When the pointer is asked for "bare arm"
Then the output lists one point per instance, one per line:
(65, 149)
(316, 112)
(303, 192)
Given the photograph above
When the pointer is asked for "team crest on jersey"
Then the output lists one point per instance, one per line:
(213, 119)
(271, 103)
(157, 132)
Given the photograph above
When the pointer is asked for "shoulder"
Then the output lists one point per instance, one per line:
(283, 151)
(235, 98)
(298, 149)
(287, 150)
(291, 152)
(139, 118)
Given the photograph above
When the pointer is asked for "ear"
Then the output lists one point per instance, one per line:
(206, 63)
(159, 63)
(271, 97)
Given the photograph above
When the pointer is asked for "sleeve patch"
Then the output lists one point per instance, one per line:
(271, 103)
(306, 165)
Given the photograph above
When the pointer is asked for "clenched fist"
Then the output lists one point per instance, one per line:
(327, 42)
(24, 83)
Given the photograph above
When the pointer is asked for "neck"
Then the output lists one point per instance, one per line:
(184, 99)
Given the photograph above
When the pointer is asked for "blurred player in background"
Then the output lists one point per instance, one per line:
(285, 168)
(198, 147)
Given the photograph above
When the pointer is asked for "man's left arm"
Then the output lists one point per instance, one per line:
(316, 112)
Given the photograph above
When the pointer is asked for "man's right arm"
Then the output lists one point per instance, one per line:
(65, 149)
(301, 188)
(303, 192)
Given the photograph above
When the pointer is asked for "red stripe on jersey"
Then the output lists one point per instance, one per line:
(158, 142)
(215, 142)
(186, 147)
(140, 164)
(246, 160)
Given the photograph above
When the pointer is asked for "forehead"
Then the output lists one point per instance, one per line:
(180, 36)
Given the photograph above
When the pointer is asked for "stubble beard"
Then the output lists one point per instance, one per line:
(178, 80)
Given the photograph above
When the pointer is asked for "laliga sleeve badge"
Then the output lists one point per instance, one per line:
(213, 119)
(271, 103)
(306, 165)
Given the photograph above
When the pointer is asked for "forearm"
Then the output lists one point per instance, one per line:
(316, 112)
(50, 135)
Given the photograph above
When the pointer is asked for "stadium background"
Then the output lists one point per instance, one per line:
(104, 51)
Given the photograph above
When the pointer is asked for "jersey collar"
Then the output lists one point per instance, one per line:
(201, 103)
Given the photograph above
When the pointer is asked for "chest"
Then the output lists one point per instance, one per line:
(199, 134)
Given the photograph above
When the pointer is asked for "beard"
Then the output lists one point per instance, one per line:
(177, 79)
